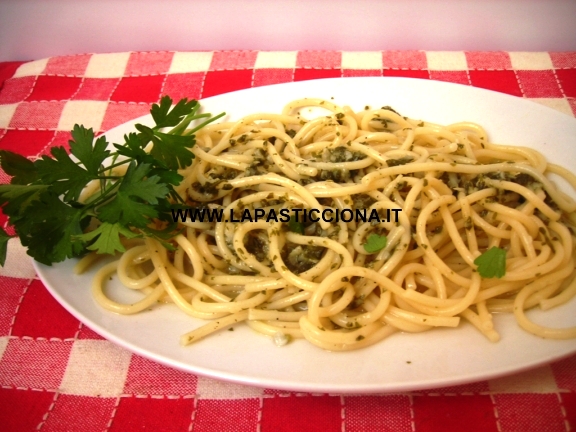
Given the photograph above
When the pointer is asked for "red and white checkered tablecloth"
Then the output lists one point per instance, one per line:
(57, 374)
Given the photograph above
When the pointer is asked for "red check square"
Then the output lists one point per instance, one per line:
(184, 85)
(41, 316)
(37, 364)
(88, 333)
(155, 414)
(54, 88)
(117, 114)
(488, 60)
(7, 70)
(422, 74)
(10, 297)
(241, 415)
(147, 63)
(449, 413)
(311, 74)
(569, 404)
(381, 413)
(218, 82)
(265, 76)
(361, 72)
(563, 59)
(458, 77)
(10, 231)
(37, 115)
(99, 89)
(88, 414)
(4, 178)
(26, 142)
(16, 89)
(567, 78)
(146, 377)
(503, 81)
(67, 65)
(539, 84)
(319, 59)
(473, 387)
(564, 373)
(23, 410)
(529, 412)
(60, 139)
(302, 413)
(138, 89)
(404, 59)
(233, 60)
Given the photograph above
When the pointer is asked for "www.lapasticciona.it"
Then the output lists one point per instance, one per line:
(330, 215)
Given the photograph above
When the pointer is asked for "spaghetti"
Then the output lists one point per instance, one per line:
(455, 196)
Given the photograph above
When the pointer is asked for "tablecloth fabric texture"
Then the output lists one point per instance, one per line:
(57, 374)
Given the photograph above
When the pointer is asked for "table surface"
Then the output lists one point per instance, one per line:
(57, 374)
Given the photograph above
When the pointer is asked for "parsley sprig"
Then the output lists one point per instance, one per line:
(43, 202)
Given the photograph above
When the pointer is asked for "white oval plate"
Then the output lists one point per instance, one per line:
(400, 363)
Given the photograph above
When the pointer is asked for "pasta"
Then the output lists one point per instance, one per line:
(438, 197)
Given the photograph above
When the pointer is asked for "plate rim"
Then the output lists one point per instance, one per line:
(279, 384)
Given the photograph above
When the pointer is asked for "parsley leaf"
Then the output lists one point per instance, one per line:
(492, 263)
(165, 117)
(50, 228)
(375, 243)
(131, 206)
(108, 238)
(91, 155)
(133, 148)
(171, 150)
(20, 168)
(65, 176)
(295, 226)
(17, 198)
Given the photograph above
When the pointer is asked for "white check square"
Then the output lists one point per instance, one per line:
(31, 68)
(208, 388)
(6, 114)
(276, 60)
(87, 113)
(96, 368)
(185, 62)
(18, 263)
(107, 65)
(3, 344)
(446, 60)
(558, 104)
(361, 60)
(531, 60)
